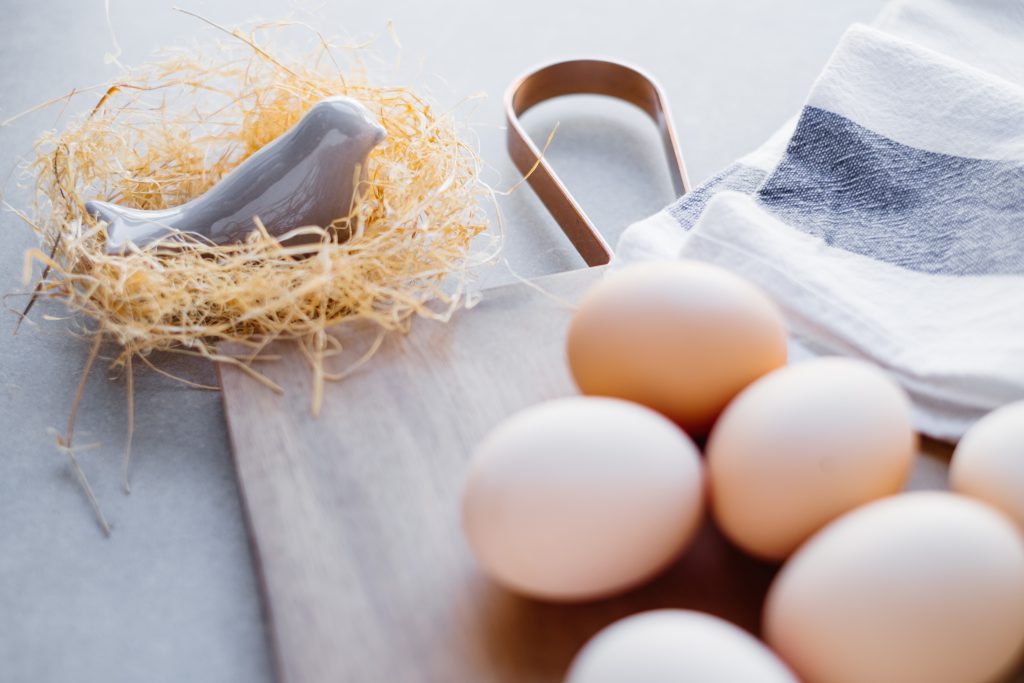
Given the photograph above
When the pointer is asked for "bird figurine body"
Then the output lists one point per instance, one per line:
(307, 176)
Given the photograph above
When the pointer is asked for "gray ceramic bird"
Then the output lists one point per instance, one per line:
(304, 177)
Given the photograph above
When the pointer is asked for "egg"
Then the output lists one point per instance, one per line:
(581, 497)
(988, 463)
(676, 646)
(923, 587)
(801, 446)
(681, 337)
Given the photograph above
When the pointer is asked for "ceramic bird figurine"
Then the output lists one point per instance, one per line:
(304, 177)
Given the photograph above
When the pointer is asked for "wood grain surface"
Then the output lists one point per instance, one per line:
(354, 515)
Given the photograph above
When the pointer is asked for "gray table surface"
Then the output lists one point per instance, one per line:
(171, 595)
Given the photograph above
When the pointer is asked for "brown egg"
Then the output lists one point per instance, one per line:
(988, 463)
(681, 337)
(801, 446)
(923, 587)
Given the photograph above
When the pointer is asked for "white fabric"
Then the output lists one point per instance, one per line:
(922, 98)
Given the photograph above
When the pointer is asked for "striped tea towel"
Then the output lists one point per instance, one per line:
(887, 219)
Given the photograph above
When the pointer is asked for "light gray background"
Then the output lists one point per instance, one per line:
(172, 595)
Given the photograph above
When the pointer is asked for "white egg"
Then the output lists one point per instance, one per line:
(676, 646)
(581, 497)
(923, 587)
(988, 463)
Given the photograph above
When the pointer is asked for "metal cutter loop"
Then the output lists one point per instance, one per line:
(578, 77)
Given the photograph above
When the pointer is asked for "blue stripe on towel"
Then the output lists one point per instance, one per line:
(928, 212)
(735, 178)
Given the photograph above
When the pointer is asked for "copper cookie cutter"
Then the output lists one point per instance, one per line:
(584, 77)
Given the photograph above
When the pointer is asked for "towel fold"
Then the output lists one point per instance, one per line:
(887, 219)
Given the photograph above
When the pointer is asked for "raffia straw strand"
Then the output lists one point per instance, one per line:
(66, 441)
(130, 419)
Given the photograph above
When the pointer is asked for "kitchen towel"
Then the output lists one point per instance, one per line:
(887, 218)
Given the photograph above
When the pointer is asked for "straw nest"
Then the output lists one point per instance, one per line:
(167, 132)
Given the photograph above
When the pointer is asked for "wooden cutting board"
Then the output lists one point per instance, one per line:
(354, 515)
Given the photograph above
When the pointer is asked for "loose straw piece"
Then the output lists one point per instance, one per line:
(66, 441)
(126, 462)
